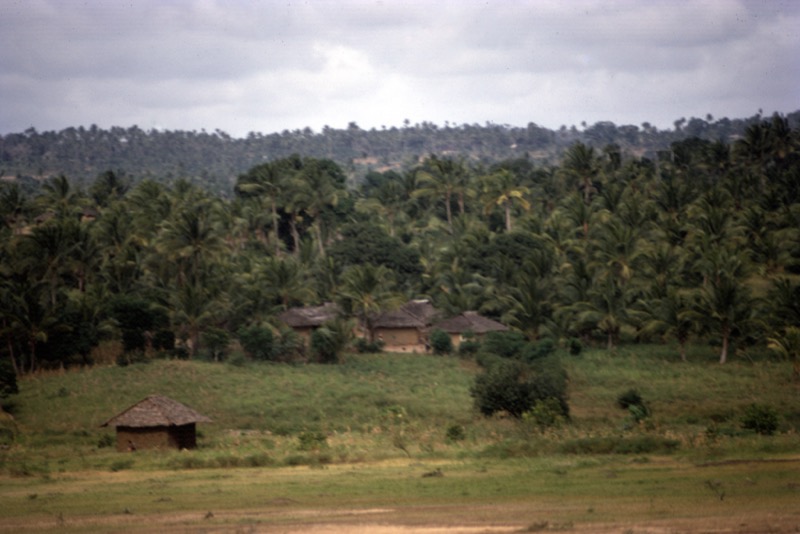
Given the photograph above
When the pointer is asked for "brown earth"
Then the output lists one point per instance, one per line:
(489, 519)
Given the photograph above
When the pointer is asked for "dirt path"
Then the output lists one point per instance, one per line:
(498, 519)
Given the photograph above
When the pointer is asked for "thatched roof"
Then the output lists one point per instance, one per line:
(157, 410)
(310, 316)
(470, 321)
(412, 314)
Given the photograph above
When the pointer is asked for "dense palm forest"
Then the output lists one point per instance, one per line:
(676, 238)
(214, 159)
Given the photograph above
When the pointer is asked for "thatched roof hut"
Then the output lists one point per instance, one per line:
(469, 321)
(307, 319)
(157, 422)
(405, 329)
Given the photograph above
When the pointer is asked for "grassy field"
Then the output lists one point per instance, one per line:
(292, 446)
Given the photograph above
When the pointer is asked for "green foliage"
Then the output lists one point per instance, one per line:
(535, 351)
(545, 413)
(8, 380)
(514, 387)
(761, 419)
(364, 346)
(257, 341)
(575, 346)
(629, 398)
(456, 432)
(441, 342)
(469, 347)
(329, 341)
(106, 440)
(504, 344)
(620, 445)
(312, 441)
(216, 341)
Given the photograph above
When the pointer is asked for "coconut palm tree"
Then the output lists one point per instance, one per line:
(502, 189)
(582, 165)
(265, 181)
(444, 178)
(365, 291)
(668, 316)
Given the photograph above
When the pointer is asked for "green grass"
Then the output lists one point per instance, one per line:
(377, 407)
(362, 434)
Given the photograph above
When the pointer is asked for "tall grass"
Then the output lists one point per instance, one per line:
(374, 407)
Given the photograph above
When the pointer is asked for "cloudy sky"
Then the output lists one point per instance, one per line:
(270, 65)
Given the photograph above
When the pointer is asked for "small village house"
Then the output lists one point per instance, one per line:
(307, 319)
(156, 422)
(406, 328)
(469, 322)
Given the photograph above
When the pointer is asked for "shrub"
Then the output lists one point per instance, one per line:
(164, 340)
(469, 347)
(441, 342)
(364, 346)
(289, 346)
(257, 341)
(536, 351)
(329, 341)
(629, 398)
(456, 432)
(632, 401)
(761, 419)
(312, 441)
(107, 440)
(546, 413)
(216, 341)
(8, 380)
(504, 344)
(575, 346)
(515, 387)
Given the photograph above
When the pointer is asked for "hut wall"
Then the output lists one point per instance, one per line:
(157, 437)
(394, 337)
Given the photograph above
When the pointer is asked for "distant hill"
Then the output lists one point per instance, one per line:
(215, 159)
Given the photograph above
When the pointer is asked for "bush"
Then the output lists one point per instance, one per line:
(536, 351)
(575, 346)
(515, 387)
(469, 347)
(329, 341)
(632, 401)
(364, 346)
(505, 344)
(257, 341)
(456, 432)
(441, 342)
(216, 341)
(617, 445)
(106, 440)
(546, 413)
(289, 346)
(761, 419)
(8, 380)
(164, 340)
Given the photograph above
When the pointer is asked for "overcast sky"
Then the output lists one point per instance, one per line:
(266, 66)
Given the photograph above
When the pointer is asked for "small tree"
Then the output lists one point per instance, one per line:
(441, 342)
(329, 341)
(216, 340)
(760, 419)
(257, 341)
(515, 387)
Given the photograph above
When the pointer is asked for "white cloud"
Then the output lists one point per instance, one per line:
(264, 66)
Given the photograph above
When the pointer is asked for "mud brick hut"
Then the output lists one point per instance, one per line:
(307, 319)
(156, 422)
(469, 322)
(406, 328)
